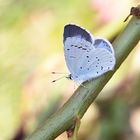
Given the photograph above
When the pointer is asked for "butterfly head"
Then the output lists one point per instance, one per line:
(69, 77)
(74, 78)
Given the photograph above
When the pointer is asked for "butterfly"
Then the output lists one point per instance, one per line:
(87, 57)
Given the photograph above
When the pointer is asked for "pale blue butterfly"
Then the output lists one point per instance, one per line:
(87, 57)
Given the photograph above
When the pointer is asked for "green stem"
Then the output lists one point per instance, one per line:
(83, 97)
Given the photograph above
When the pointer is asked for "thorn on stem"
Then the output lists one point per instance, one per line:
(72, 132)
(135, 11)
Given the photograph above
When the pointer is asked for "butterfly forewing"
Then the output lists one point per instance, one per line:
(76, 42)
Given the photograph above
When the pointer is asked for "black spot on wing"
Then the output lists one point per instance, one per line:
(72, 56)
(71, 30)
(84, 49)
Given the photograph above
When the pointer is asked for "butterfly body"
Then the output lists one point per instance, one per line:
(86, 57)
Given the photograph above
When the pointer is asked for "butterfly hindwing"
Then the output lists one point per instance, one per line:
(94, 66)
(103, 43)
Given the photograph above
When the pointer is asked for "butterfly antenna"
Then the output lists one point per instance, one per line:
(58, 79)
(58, 73)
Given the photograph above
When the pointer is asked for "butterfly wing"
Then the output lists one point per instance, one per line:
(86, 57)
(103, 43)
(96, 62)
(99, 62)
(77, 41)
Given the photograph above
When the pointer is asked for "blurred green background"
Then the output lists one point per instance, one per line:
(31, 48)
